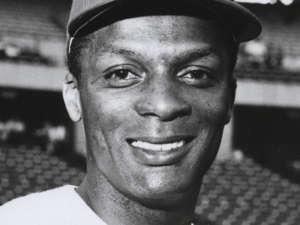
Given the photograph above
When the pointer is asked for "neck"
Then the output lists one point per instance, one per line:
(115, 208)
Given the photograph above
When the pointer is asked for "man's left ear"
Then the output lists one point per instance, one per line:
(232, 90)
(71, 97)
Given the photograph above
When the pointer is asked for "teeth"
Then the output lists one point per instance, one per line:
(181, 143)
(174, 145)
(157, 147)
(166, 147)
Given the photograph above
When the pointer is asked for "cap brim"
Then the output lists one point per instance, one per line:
(243, 25)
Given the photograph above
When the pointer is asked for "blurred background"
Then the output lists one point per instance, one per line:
(256, 177)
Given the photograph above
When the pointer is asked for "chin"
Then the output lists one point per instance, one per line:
(169, 196)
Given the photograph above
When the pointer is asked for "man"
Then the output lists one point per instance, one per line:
(152, 81)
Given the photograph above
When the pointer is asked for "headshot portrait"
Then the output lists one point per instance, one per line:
(154, 86)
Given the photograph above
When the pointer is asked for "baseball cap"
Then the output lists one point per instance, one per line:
(88, 16)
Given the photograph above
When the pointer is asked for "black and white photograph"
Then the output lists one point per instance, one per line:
(149, 112)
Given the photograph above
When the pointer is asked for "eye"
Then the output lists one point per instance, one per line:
(196, 77)
(121, 74)
(121, 78)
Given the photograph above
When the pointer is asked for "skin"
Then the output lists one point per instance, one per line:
(158, 79)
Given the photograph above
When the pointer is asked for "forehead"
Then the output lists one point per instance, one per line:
(164, 33)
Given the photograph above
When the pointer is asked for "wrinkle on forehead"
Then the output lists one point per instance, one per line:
(179, 53)
(161, 28)
(155, 24)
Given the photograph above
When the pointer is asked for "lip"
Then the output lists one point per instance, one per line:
(161, 158)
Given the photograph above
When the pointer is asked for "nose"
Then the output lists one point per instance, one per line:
(162, 99)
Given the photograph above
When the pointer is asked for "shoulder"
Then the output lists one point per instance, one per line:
(39, 207)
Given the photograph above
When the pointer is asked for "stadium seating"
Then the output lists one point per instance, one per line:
(244, 193)
(25, 171)
(280, 26)
(29, 17)
(283, 36)
(233, 192)
(267, 75)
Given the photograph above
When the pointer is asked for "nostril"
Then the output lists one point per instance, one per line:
(150, 114)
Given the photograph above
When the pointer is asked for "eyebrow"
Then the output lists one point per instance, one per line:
(117, 51)
(193, 54)
(183, 56)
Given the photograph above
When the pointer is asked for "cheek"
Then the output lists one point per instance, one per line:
(104, 111)
(210, 114)
(210, 108)
(105, 120)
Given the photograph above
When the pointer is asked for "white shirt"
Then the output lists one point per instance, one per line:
(61, 206)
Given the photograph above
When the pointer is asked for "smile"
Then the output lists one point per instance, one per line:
(158, 147)
(160, 151)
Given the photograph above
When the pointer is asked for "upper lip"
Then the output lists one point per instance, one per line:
(161, 140)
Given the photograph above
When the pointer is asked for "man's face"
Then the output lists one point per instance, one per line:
(155, 96)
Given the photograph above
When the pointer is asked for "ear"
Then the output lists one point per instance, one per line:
(232, 90)
(71, 97)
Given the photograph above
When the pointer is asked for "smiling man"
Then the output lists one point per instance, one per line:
(153, 83)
